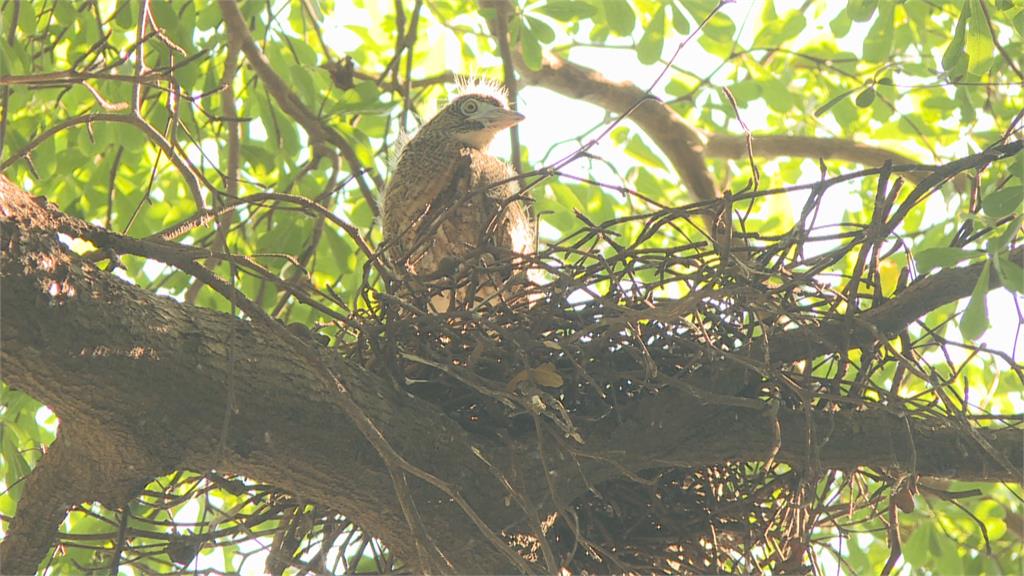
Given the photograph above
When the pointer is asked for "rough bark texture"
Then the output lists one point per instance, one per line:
(144, 384)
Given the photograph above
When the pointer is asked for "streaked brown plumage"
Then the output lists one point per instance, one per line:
(448, 198)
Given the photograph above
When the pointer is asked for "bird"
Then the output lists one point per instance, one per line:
(448, 203)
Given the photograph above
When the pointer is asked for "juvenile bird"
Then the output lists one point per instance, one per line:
(448, 199)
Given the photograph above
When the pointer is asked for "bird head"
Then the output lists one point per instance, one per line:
(475, 119)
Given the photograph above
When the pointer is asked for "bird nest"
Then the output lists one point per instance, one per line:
(643, 303)
(616, 321)
(632, 306)
(629, 307)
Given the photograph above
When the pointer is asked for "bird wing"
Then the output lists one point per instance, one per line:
(508, 224)
(468, 202)
(422, 175)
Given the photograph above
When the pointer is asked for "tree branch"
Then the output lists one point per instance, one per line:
(84, 463)
(680, 142)
(99, 351)
(886, 319)
(289, 101)
(106, 355)
(775, 145)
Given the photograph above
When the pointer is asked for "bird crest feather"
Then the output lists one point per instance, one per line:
(482, 86)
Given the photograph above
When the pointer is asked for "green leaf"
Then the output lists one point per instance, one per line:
(621, 18)
(777, 95)
(794, 25)
(566, 10)
(941, 103)
(915, 548)
(543, 32)
(639, 150)
(303, 82)
(878, 42)
(186, 25)
(209, 17)
(833, 101)
(26, 20)
(861, 10)
(187, 75)
(645, 182)
(7, 64)
(865, 98)
(974, 322)
(165, 15)
(717, 36)
(16, 467)
(1017, 168)
(968, 112)
(360, 143)
(63, 12)
(341, 253)
(125, 16)
(304, 53)
(995, 246)
(745, 91)
(1010, 274)
(619, 134)
(679, 21)
(953, 56)
(775, 31)
(840, 25)
(942, 257)
(1003, 202)
(648, 50)
(532, 55)
(979, 41)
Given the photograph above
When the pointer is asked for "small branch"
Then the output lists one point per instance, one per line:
(499, 28)
(44, 503)
(289, 101)
(995, 40)
(231, 123)
(181, 163)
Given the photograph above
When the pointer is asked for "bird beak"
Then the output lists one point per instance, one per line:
(499, 119)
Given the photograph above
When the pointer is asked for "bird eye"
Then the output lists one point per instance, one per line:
(469, 107)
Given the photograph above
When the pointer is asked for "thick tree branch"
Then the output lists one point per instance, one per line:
(874, 438)
(98, 351)
(684, 145)
(886, 319)
(681, 143)
(107, 355)
(775, 145)
(96, 462)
